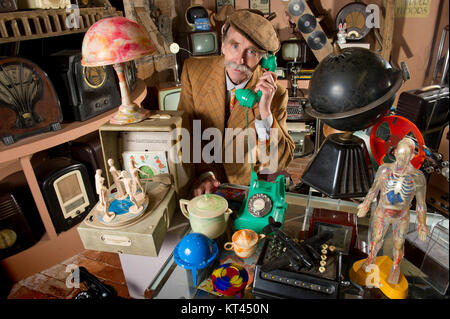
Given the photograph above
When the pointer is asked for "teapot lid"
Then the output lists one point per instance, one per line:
(207, 206)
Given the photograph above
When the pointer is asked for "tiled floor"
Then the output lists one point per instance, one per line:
(51, 283)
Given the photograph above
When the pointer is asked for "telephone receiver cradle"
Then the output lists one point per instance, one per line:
(274, 192)
(247, 97)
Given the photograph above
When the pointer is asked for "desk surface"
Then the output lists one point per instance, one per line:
(170, 281)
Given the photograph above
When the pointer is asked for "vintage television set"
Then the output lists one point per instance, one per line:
(168, 95)
(295, 51)
(203, 43)
(67, 190)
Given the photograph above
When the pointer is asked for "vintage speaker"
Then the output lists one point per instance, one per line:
(86, 92)
(67, 191)
(309, 27)
(28, 102)
(20, 223)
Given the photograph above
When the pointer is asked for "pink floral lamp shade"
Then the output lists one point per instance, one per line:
(114, 41)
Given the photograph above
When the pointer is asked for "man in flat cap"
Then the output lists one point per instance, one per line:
(207, 95)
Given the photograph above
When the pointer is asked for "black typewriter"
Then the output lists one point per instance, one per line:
(290, 269)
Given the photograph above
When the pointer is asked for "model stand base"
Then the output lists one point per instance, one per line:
(377, 277)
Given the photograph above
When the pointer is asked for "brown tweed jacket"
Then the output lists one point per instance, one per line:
(203, 97)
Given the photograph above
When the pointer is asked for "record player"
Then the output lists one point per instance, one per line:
(142, 148)
(135, 234)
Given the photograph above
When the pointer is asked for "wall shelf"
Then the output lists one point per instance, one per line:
(52, 248)
(36, 24)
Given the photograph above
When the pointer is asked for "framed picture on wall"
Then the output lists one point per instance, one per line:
(261, 5)
(222, 3)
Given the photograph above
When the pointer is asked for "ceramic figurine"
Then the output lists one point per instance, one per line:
(121, 194)
(102, 191)
(134, 171)
(128, 182)
(342, 33)
(397, 184)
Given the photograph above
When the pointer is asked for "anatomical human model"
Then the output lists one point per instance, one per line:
(397, 184)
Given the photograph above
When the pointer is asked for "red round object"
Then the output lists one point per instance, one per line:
(399, 128)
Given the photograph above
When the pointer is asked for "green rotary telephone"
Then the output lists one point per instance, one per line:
(264, 199)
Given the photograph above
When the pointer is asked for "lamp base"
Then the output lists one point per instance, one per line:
(378, 277)
(129, 115)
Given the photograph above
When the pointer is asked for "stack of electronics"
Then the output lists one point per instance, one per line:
(195, 37)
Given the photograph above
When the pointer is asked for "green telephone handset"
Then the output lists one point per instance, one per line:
(264, 199)
(247, 97)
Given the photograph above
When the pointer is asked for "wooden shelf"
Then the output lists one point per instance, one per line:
(36, 24)
(69, 131)
(53, 247)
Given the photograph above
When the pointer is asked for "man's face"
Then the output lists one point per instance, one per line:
(241, 56)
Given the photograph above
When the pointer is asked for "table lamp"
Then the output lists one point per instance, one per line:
(116, 40)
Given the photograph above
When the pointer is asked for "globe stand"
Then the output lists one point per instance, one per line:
(341, 168)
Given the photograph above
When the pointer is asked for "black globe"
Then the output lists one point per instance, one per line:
(352, 88)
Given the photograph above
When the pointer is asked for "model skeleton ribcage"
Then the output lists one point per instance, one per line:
(398, 189)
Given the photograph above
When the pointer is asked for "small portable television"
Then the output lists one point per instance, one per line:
(67, 190)
(168, 95)
(203, 43)
(294, 50)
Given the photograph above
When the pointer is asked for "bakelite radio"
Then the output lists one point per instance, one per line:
(86, 92)
(28, 101)
(67, 191)
(20, 224)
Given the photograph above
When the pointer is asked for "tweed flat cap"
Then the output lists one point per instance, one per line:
(256, 28)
